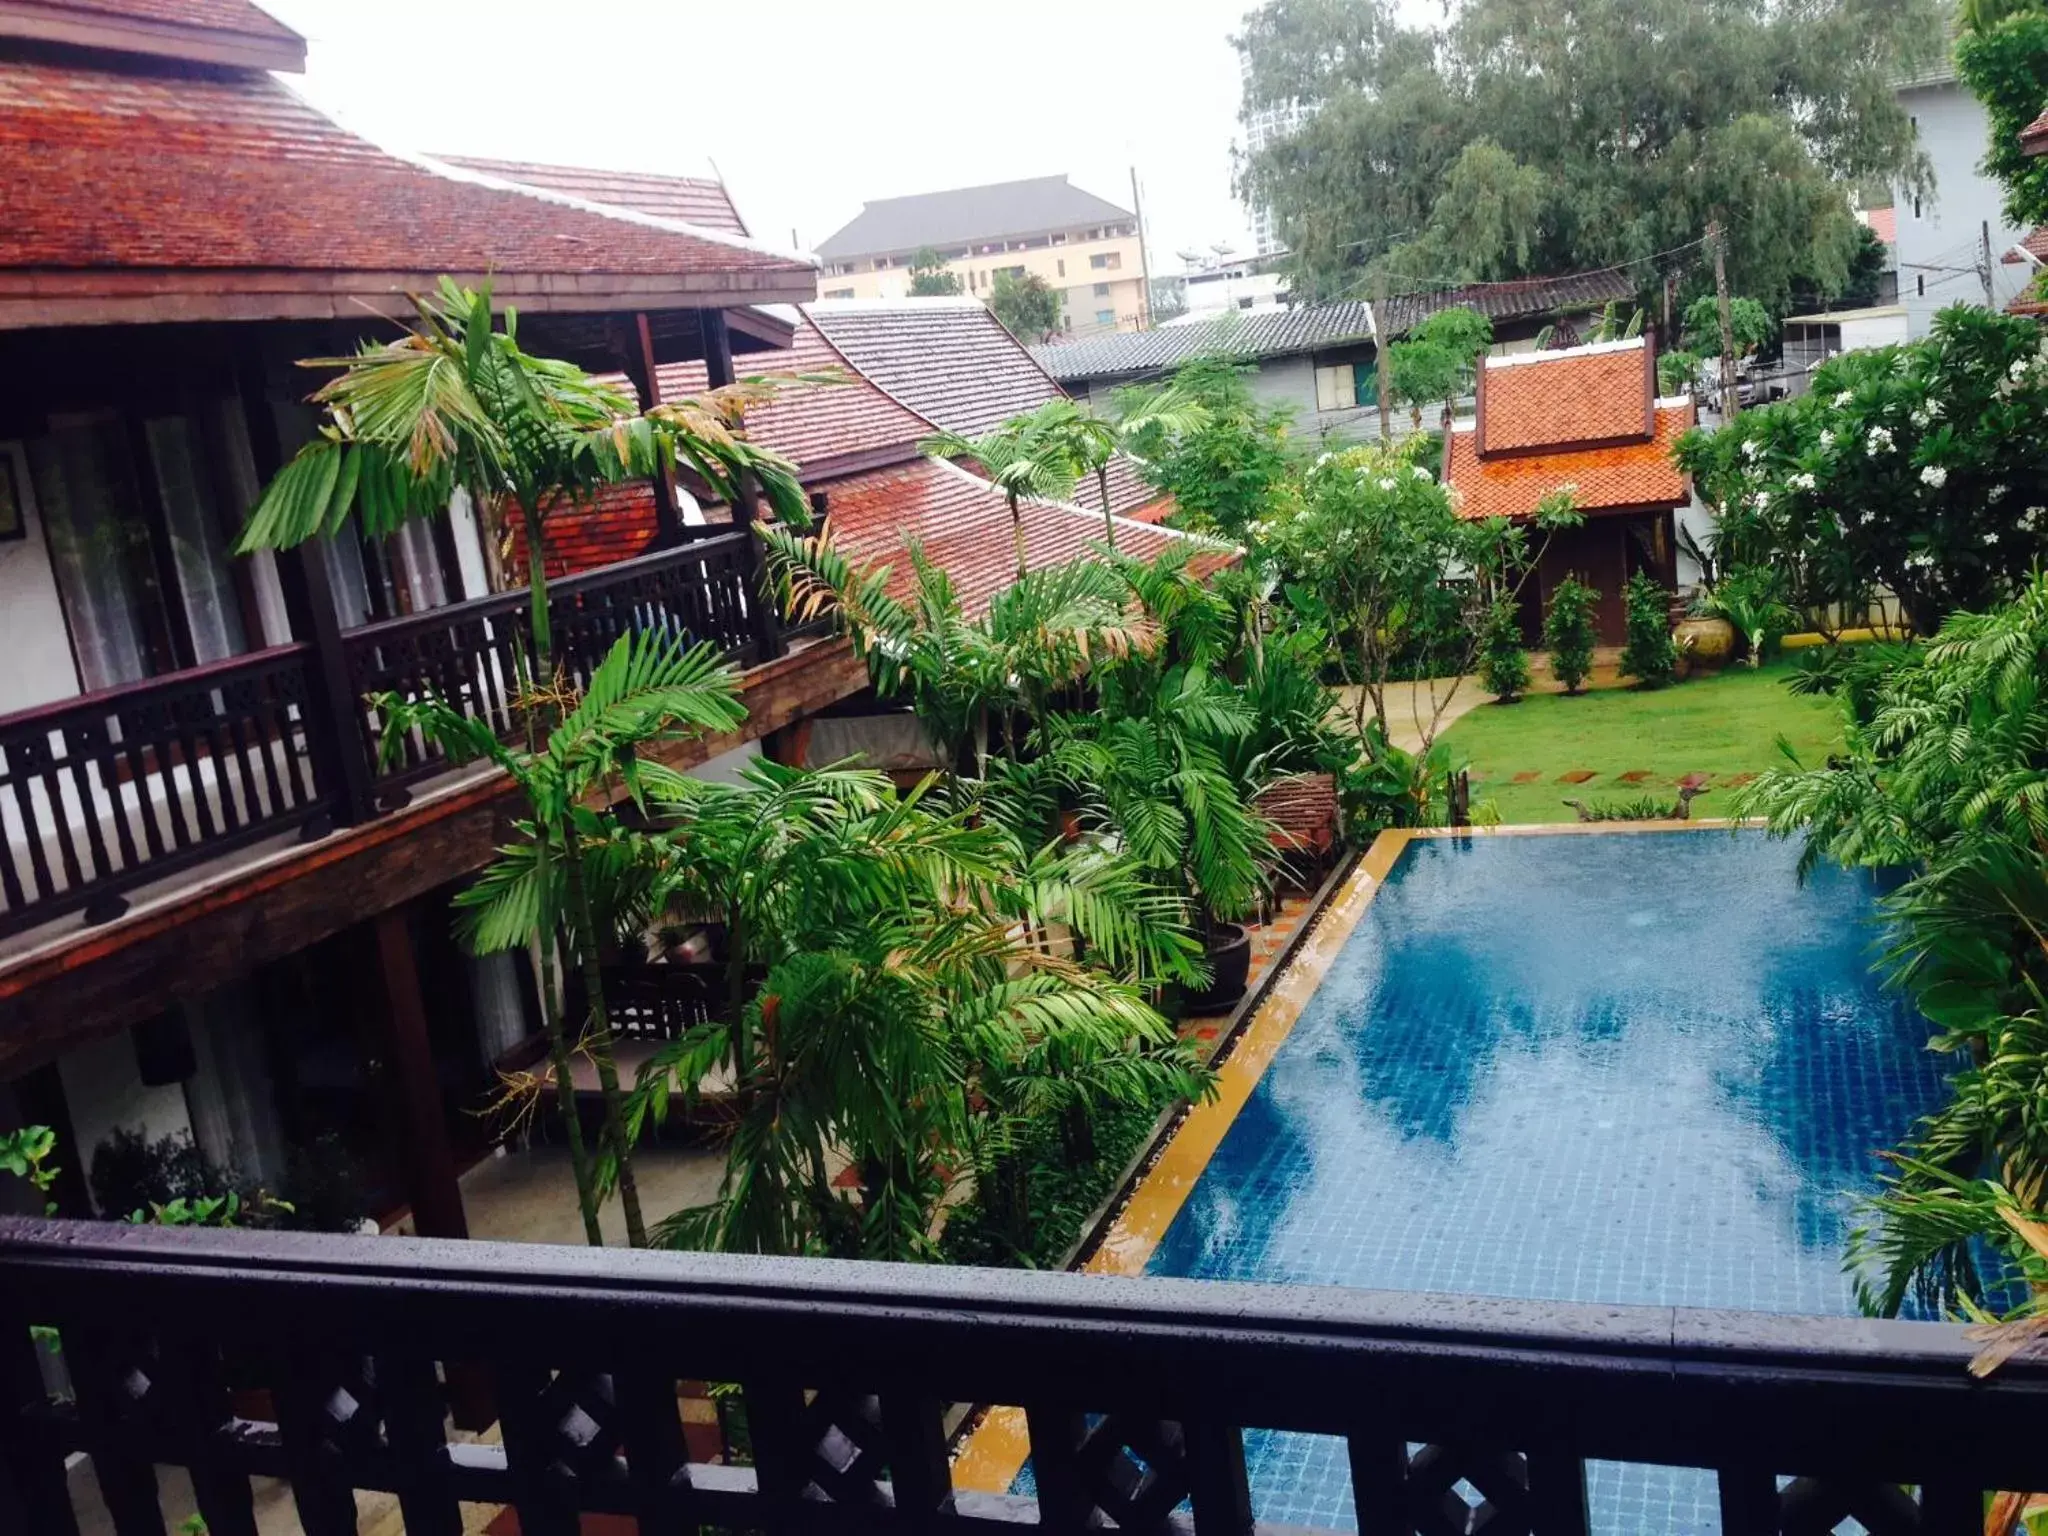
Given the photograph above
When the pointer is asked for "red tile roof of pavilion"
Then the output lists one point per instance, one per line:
(963, 524)
(2034, 137)
(228, 192)
(815, 424)
(230, 32)
(701, 201)
(1609, 479)
(1584, 395)
(951, 361)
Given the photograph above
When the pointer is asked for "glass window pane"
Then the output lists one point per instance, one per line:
(99, 549)
(198, 547)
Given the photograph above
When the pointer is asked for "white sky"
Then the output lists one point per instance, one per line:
(809, 109)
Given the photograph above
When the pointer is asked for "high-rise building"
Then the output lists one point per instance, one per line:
(1261, 128)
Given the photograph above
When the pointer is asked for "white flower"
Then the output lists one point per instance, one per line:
(1990, 538)
(1420, 472)
(1866, 519)
(1827, 437)
(1801, 482)
(1387, 484)
(1995, 494)
(1934, 409)
(1934, 475)
(1922, 561)
(1880, 439)
(1844, 398)
(2031, 518)
(1918, 418)
(1322, 459)
(1751, 448)
(2018, 370)
(1761, 500)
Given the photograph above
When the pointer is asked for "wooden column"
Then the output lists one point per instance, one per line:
(767, 622)
(717, 347)
(638, 349)
(334, 729)
(406, 1070)
(789, 744)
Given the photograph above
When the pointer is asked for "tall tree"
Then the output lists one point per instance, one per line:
(1026, 305)
(929, 277)
(2003, 57)
(1526, 137)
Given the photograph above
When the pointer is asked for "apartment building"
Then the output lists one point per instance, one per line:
(1086, 248)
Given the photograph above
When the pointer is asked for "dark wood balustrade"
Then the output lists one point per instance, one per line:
(106, 792)
(1138, 1393)
(102, 793)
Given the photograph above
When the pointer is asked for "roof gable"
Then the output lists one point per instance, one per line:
(1039, 205)
(1626, 477)
(1526, 298)
(1537, 402)
(1129, 354)
(230, 32)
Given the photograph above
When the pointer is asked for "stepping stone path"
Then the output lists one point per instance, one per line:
(1697, 780)
(1635, 776)
(1737, 780)
(1577, 776)
(1530, 777)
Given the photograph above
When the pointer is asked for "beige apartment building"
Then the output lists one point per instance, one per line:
(1085, 247)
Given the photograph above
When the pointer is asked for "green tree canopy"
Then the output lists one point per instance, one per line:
(1524, 137)
(928, 275)
(2005, 61)
(1026, 305)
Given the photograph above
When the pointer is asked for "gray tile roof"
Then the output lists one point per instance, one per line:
(1130, 354)
(1006, 209)
(1137, 354)
(951, 361)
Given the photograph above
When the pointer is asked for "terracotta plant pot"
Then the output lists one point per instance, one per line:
(1708, 644)
(1230, 969)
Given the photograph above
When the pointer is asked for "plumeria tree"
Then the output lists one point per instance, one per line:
(1921, 468)
(1374, 546)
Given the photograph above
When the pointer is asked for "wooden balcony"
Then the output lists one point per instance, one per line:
(1138, 1393)
(126, 787)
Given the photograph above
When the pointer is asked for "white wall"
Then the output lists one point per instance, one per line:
(104, 1091)
(38, 666)
(1946, 229)
(725, 768)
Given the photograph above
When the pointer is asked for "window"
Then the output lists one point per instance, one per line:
(1102, 290)
(1063, 266)
(1105, 317)
(1336, 388)
(883, 263)
(1059, 239)
(1109, 262)
(1011, 271)
(1365, 384)
(838, 293)
(1244, 303)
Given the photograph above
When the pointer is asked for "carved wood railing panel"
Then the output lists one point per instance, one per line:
(103, 793)
(1462, 1414)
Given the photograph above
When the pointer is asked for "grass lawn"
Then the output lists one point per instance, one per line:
(1721, 725)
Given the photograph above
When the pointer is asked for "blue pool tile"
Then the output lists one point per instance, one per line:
(1642, 1068)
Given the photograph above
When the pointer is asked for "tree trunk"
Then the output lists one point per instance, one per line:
(599, 1036)
(1108, 518)
(736, 998)
(550, 1000)
(1017, 528)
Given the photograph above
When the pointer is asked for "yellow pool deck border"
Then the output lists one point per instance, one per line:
(992, 1456)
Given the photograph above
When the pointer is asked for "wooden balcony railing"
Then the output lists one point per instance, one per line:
(1137, 1393)
(103, 793)
(106, 792)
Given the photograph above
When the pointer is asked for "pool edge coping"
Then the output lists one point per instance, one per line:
(995, 1451)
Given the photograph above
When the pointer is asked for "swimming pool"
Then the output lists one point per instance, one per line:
(1645, 1067)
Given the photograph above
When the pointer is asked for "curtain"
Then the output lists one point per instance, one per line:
(198, 546)
(230, 1099)
(501, 1021)
(92, 520)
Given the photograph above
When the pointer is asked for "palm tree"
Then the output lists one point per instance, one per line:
(1021, 460)
(1091, 442)
(455, 403)
(646, 687)
(905, 1018)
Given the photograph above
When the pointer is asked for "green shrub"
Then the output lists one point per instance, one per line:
(1503, 664)
(1651, 655)
(1568, 632)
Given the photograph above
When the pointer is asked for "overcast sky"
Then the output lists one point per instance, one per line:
(809, 109)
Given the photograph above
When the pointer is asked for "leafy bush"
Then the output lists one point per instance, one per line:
(1503, 664)
(1651, 655)
(1060, 1190)
(1568, 632)
(1751, 599)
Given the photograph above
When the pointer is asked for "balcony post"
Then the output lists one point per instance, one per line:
(637, 348)
(334, 725)
(765, 621)
(400, 1035)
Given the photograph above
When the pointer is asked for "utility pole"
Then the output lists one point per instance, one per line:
(1144, 262)
(1984, 263)
(1731, 397)
(1380, 359)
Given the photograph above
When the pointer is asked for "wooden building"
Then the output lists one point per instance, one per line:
(1585, 419)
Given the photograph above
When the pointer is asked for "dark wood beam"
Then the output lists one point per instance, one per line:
(403, 1068)
(645, 374)
(717, 349)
